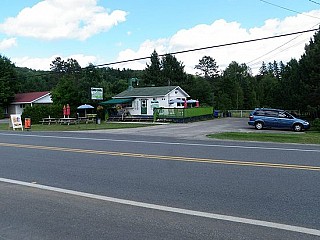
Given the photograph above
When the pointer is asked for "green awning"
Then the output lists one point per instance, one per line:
(117, 101)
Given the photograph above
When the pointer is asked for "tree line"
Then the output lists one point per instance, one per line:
(292, 86)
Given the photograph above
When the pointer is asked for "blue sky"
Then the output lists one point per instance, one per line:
(34, 32)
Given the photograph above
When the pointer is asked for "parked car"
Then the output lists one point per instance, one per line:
(275, 118)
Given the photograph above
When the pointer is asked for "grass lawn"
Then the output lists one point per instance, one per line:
(78, 127)
(308, 137)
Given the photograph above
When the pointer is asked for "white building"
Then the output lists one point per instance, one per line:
(21, 100)
(141, 101)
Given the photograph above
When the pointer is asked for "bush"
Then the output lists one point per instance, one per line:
(316, 124)
(37, 112)
(1, 113)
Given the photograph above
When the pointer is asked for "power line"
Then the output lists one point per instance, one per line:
(273, 50)
(277, 47)
(314, 2)
(285, 42)
(288, 9)
(186, 51)
(204, 48)
(282, 50)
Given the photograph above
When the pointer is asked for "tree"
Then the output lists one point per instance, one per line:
(263, 69)
(165, 72)
(199, 88)
(238, 85)
(152, 73)
(8, 81)
(310, 71)
(69, 89)
(208, 67)
(291, 87)
(66, 92)
(172, 71)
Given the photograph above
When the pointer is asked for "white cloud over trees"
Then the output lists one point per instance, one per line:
(222, 32)
(82, 19)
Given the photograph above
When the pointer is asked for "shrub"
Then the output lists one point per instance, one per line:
(1, 113)
(37, 112)
(316, 124)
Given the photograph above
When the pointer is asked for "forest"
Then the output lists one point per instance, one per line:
(294, 85)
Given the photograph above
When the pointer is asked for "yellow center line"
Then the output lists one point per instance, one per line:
(172, 158)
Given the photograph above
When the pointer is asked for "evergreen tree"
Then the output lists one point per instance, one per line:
(310, 72)
(152, 73)
(237, 84)
(263, 69)
(172, 71)
(208, 68)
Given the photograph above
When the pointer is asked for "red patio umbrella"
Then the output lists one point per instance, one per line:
(185, 103)
(68, 110)
(64, 111)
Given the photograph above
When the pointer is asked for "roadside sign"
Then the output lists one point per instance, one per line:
(15, 121)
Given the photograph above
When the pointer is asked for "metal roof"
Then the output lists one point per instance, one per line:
(117, 101)
(29, 97)
(148, 92)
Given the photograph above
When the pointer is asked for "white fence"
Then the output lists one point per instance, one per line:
(235, 113)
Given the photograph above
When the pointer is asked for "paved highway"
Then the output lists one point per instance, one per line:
(104, 185)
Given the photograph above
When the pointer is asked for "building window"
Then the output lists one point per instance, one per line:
(22, 106)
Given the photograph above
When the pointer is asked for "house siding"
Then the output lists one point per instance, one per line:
(21, 102)
(163, 101)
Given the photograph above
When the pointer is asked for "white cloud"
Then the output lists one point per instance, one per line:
(44, 63)
(56, 19)
(8, 43)
(222, 32)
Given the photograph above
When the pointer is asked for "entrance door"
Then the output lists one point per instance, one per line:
(144, 106)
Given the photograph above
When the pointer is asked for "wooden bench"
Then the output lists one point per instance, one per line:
(68, 121)
(48, 121)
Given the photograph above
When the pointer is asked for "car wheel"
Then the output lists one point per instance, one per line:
(297, 127)
(258, 125)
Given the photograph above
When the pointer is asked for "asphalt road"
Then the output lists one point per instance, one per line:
(147, 186)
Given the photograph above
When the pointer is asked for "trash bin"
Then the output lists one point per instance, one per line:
(98, 120)
(27, 123)
(216, 113)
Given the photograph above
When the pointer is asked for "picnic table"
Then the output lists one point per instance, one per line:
(91, 118)
(68, 121)
(82, 120)
(48, 120)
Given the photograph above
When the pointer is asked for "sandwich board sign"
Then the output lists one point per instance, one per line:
(15, 121)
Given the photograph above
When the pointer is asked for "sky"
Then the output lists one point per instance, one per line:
(34, 32)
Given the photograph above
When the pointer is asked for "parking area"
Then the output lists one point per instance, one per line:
(194, 130)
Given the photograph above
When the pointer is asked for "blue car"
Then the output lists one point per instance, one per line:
(275, 118)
